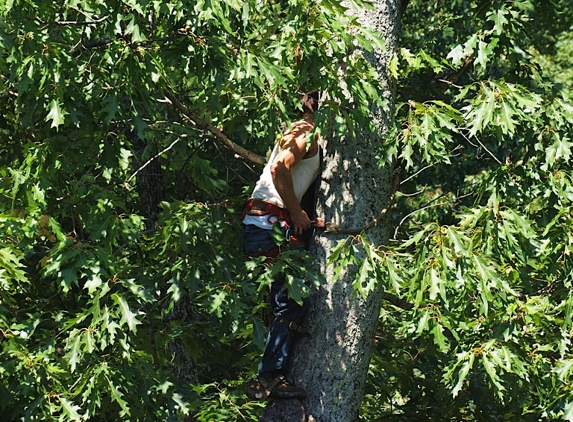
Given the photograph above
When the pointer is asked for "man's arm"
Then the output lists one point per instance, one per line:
(293, 150)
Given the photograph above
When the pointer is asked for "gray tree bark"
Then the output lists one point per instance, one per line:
(332, 365)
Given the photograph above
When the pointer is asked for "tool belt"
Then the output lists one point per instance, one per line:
(275, 215)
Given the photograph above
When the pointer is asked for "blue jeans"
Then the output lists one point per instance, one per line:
(255, 240)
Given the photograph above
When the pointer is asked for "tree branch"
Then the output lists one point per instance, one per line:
(64, 23)
(220, 136)
(450, 78)
(396, 301)
(88, 46)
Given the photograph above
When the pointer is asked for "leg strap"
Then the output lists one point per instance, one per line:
(261, 388)
(293, 326)
(272, 384)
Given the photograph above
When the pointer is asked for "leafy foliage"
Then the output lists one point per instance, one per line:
(120, 218)
(93, 282)
(482, 241)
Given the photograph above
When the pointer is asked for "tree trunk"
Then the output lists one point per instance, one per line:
(150, 182)
(332, 365)
(150, 187)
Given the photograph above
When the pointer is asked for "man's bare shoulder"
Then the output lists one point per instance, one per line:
(296, 131)
(300, 126)
(303, 123)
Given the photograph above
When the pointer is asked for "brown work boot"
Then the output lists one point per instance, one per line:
(260, 388)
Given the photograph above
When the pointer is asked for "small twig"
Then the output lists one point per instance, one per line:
(126, 244)
(428, 205)
(415, 174)
(81, 12)
(483, 146)
(403, 7)
(42, 301)
(154, 355)
(445, 81)
(228, 399)
(450, 78)
(421, 191)
(159, 154)
(75, 383)
(89, 45)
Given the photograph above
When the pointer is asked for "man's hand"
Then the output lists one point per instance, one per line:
(300, 222)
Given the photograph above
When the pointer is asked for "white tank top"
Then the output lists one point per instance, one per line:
(303, 174)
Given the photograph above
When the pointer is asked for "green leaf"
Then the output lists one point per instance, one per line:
(56, 114)
(296, 289)
(436, 285)
(127, 316)
(568, 412)
(560, 149)
(394, 66)
(74, 346)
(278, 235)
(506, 121)
(440, 339)
(184, 406)
(483, 54)
(245, 13)
(457, 241)
(107, 325)
(117, 396)
(392, 271)
(372, 39)
(133, 29)
(468, 360)
(259, 333)
(217, 301)
(93, 283)
(564, 369)
(11, 268)
(423, 322)
(493, 376)
(249, 65)
(365, 279)
(111, 107)
(499, 20)
(70, 411)
(456, 55)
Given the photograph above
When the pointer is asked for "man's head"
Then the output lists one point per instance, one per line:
(310, 102)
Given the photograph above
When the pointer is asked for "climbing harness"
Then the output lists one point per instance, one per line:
(275, 215)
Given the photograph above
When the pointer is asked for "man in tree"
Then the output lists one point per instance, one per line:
(276, 204)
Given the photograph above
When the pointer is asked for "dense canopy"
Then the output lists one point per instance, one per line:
(132, 132)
